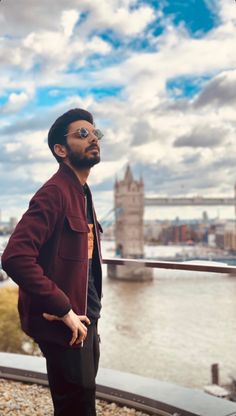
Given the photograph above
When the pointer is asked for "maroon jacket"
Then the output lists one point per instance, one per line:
(47, 256)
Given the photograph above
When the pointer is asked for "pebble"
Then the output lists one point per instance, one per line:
(21, 399)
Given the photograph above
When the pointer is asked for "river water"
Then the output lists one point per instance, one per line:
(172, 328)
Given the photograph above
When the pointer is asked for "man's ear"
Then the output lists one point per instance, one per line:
(60, 150)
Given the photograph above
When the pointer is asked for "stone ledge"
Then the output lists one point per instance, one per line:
(140, 392)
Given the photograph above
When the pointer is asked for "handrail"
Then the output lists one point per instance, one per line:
(173, 265)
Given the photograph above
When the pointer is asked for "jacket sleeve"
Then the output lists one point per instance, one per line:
(20, 258)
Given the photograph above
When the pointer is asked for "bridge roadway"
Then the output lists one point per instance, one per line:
(195, 201)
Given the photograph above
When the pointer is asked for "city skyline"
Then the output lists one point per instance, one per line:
(159, 79)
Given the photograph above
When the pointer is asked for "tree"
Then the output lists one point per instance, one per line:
(12, 338)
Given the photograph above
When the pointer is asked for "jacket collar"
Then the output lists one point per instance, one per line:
(67, 171)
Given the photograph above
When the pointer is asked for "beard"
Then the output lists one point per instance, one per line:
(78, 160)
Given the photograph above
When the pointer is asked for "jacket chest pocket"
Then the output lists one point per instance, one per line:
(74, 239)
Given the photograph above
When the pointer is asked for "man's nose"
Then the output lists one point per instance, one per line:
(93, 137)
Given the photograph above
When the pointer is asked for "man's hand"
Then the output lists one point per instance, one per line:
(74, 322)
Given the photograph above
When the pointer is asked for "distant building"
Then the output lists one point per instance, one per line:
(12, 223)
(220, 236)
(211, 239)
(152, 231)
(230, 237)
(7, 227)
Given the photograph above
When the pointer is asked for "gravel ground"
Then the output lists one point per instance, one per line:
(20, 399)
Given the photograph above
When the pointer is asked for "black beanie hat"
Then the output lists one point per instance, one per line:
(59, 128)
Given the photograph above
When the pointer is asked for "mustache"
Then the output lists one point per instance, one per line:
(92, 147)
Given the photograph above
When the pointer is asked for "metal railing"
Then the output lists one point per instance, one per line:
(173, 265)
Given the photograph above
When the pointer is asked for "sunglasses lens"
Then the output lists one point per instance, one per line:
(83, 133)
(98, 134)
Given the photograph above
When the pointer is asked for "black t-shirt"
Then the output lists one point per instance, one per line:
(93, 301)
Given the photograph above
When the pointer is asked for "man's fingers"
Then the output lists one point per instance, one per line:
(79, 330)
(79, 334)
(82, 331)
(78, 337)
(81, 338)
(74, 337)
(85, 319)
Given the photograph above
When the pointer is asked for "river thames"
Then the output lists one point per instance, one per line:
(172, 328)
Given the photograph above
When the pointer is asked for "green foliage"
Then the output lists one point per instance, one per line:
(12, 338)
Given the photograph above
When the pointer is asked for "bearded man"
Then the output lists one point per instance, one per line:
(54, 256)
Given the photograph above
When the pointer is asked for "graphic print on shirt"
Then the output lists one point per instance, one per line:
(90, 241)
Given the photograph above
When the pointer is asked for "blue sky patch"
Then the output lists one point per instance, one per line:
(110, 37)
(51, 96)
(143, 43)
(83, 16)
(3, 100)
(139, 42)
(185, 87)
(102, 92)
(195, 14)
(96, 62)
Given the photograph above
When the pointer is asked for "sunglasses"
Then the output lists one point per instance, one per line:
(83, 133)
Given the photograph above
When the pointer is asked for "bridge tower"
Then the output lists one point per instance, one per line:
(129, 232)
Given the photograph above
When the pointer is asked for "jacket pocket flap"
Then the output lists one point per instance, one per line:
(77, 224)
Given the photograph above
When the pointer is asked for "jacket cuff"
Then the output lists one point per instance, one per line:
(66, 310)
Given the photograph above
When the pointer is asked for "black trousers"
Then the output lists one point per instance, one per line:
(71, 375)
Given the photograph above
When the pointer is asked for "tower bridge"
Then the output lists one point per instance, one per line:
(191, 201)
(128, 210)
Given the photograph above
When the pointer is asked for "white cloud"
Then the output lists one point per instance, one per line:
(131, 22)
(219, 91)
(227, 11)
(18, 98)
(16, 101)
(116, 15)
(68, 21)
(106, 170)
(97, 45)
(58, 49)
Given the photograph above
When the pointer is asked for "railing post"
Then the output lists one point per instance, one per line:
(215, 373)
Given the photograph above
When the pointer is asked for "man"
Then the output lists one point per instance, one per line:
(54, 256)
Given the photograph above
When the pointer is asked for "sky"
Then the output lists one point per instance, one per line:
(158, 76)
